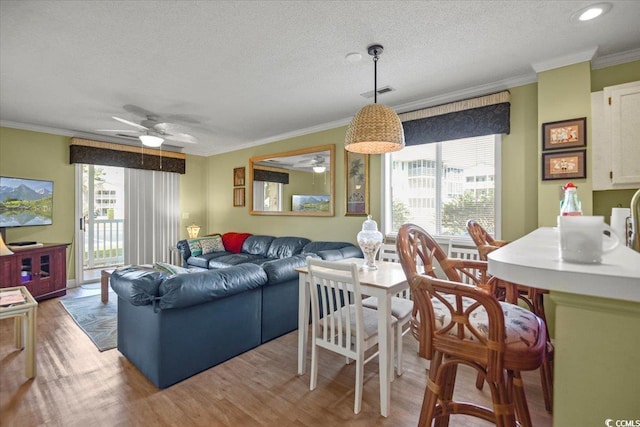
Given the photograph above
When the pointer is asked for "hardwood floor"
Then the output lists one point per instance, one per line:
(77, 385)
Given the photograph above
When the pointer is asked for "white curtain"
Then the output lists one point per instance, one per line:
(152, 215)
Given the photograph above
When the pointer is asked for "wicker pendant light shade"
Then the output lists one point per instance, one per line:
(376, 129)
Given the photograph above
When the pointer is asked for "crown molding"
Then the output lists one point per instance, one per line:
(615, 59)
(563, 61)
(79, 134)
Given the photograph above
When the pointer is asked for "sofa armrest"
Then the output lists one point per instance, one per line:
(282, 270)
(184, 290)
(135, 285)
(185, 252)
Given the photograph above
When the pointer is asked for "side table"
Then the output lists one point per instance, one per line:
(104, 284)
(23, 311)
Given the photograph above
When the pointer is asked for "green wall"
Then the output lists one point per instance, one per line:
(35, 155)
(563, 94)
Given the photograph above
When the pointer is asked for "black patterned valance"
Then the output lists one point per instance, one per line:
(107, 154)
(270, 176)
(464, 119)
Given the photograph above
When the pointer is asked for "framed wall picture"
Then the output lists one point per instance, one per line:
(564, 134)
(356, 168)
(238, 177)
(564, 165)
(238, 197)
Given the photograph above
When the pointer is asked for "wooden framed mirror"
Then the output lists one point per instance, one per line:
(294, 183)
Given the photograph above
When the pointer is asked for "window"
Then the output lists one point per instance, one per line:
(439, 186)
(267, 196)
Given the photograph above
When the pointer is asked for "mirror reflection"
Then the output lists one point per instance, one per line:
(299, 182)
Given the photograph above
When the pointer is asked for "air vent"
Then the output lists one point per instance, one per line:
(380, 92)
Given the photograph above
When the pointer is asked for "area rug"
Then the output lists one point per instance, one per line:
(99, 321)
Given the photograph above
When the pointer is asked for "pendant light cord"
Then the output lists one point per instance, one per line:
(375, 77)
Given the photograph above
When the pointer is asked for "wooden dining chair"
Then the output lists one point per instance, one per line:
(458, 324)
(401, 305)
(533, 298)
(339, 321)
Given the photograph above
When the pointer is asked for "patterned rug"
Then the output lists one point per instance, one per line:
(99, 321)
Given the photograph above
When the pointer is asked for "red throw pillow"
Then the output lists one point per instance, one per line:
(233, 241)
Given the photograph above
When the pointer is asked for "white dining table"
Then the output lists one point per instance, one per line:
(383, 283)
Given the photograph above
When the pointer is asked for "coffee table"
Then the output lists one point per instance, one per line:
(104, 284)
(25, 333)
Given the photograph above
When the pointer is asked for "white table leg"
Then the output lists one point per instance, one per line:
(303, 322)
(30, 344)
(385, 347)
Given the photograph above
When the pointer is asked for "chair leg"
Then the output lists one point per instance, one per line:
(431, 393)
(447, 384)
(357, 404)
(314, 366)
(399, 367)
(546, 376)
(520, 400)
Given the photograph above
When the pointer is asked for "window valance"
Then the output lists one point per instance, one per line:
(270, 176)
(485, 115)
(126, 156)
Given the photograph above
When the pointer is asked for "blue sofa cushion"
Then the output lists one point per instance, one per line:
(315, 247)
(282, 270)
(139, 287)
(257, 245)
(184, 290)
(283, 247)
(234, 259)
(338, 254)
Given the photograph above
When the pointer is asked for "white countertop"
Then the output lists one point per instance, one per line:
(534, 260)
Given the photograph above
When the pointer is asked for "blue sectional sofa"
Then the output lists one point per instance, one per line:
(172, 326)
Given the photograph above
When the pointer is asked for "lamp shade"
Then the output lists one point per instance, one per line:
(151, 140)
(4, 250)
(375, 129)
(193, 231)
(319, 169)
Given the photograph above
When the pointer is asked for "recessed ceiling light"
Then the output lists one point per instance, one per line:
(353, 57)
(591, 12)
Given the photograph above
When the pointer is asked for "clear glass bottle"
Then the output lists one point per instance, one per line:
(370, 240)
(570, 205)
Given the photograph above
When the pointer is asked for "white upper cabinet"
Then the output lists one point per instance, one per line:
(615, 124)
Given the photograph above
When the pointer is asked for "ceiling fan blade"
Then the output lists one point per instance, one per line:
(117, 130)
(181, 137)
(127, 122)
(138, 111)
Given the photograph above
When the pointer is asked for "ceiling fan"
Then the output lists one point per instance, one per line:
(317, 163)
(152, 132)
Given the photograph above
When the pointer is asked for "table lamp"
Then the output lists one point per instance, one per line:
(193, 231)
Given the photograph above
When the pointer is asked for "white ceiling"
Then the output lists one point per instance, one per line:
(241, 73)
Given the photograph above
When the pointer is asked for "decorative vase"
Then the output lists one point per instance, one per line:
(369, 240)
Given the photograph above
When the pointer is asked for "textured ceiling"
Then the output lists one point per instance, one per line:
(241, 73)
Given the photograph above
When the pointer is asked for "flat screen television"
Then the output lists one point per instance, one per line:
(25, 202)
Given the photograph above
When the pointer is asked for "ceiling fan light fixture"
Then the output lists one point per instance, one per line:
(319, 169)
(376, 128)
(151, 140)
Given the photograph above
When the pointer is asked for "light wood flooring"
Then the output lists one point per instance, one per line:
(77, 385)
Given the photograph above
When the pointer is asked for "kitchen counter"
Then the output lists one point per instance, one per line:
(597, 349)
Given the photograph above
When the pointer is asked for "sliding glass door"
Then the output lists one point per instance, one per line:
(100, 220)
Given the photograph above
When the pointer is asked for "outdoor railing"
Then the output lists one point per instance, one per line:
(104, 243)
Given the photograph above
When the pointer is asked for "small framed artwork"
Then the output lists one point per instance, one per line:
(564, 134)
(563, 165)
(238, 177)
(238, 197)
(356, 168)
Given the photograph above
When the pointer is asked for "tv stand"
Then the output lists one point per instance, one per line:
(26, 243)
(41, 268)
